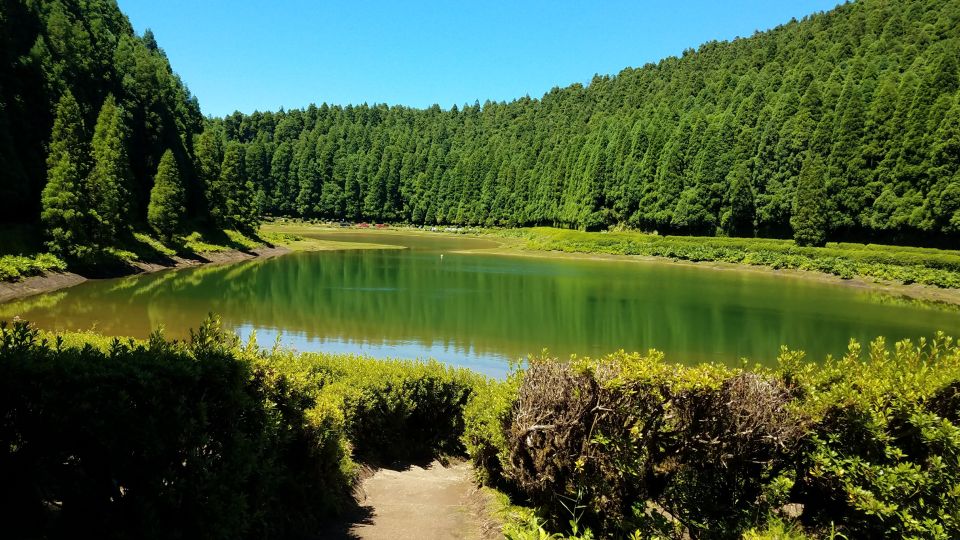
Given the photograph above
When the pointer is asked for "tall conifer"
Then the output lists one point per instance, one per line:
(110, 178)
(167, 199)
(63, 213)
(809, 220)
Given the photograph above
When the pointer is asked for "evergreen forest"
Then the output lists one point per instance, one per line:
(844, 125)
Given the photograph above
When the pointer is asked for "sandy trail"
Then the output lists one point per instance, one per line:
(431, 503)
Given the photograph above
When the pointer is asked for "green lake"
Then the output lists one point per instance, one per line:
(481, 310)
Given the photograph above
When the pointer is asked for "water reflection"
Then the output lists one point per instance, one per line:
(480, 310)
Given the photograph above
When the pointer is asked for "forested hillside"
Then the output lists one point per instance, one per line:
(87, 110)
(844, 125)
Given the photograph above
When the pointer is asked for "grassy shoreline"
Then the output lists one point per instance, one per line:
(922, 274)
(906, 265)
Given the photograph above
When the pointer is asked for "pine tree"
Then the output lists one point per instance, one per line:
(239, 210)
(809, 220)
(279, 200)
(64, 215)
(258, 172)
(208, 150)
(107, 185)
(167, 199)
(739, 218)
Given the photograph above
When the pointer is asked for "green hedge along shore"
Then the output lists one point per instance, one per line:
(211, 438)
(927, 266)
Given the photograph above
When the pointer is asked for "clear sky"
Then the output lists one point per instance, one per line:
(246, 55)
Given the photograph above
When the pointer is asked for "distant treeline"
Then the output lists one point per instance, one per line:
(845, 125)
(863, 99)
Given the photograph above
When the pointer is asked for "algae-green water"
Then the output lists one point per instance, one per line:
(482, 310)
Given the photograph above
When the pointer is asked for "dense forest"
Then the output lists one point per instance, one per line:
(88, 109)
(844, 125)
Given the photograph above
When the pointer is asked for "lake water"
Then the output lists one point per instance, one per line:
(481, 310)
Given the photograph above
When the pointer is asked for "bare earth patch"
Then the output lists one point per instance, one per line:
(38, 284)
(432, 503)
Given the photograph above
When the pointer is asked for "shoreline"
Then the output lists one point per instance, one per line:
(54, 281)
(913, 291)
(49, 282)
(515, 247)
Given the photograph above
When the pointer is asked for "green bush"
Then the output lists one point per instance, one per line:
(16, 267)
(155, 439)
(393, 410)
(124, 439)
(486, 417)
(859, 447)
(884, 458)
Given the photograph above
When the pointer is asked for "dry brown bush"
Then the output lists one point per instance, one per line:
(607, 440)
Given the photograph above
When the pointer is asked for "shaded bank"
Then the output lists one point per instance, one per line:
(53, 281)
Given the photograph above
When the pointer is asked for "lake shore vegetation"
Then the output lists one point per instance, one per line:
(906, 265)
(211, 436)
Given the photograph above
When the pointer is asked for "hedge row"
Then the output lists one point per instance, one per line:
(866, 445)
(211, 439)
(206, 439)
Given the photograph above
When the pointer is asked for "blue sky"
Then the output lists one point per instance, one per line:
(245, 55)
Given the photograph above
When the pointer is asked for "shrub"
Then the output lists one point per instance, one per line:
(610, 434)
(393, 410)
(158, 439)
(861, 448)
(885, 455)
(16, 267)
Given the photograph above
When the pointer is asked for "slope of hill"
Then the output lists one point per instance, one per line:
(862, 98)
(843, 126)
(87, 48)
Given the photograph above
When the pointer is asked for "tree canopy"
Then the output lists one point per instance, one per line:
(711, 142)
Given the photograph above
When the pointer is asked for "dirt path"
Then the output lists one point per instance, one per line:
(430, 503)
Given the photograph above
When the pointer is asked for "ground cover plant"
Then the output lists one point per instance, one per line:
(214, 438)
(935, 267)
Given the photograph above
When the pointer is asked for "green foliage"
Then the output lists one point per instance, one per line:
(739, 219)
(206, 438)
(89, 50)
(711, 142)
(883, 456)
(392, 410)
(64, 209)
(167, 209)
(233, 192)
(840, 126)
(486, 415)
(940, 268)
(214, 241)
(159, 440)
(852, 448)
(15, 267)
(109, 181)
(111, 437)
(809, 220)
